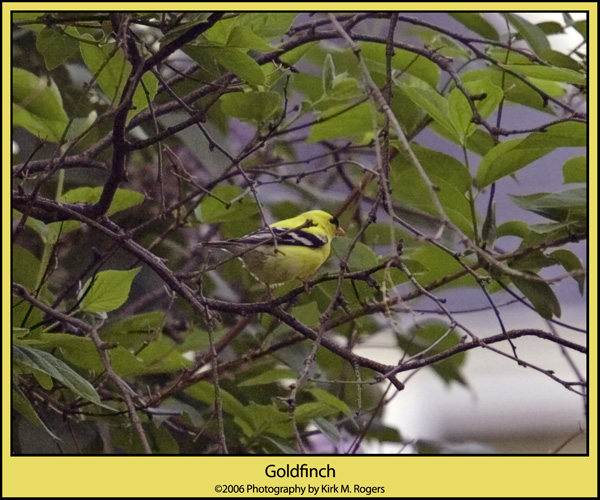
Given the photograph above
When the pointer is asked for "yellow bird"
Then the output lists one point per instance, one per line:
(286, 250)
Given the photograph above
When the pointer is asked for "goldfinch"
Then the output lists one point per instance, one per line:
(286, 250)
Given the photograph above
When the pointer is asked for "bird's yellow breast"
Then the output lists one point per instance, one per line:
(286, 263)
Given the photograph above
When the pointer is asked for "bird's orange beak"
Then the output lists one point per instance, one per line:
(340, 232)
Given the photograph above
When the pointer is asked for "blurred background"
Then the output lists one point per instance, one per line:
(504, 408)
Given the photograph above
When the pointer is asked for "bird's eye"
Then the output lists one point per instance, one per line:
(335, 222)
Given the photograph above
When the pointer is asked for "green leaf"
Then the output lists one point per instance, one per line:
(382, 432)
(109, 290)
(566, 134)
(25, 267)
(549, 231)
(144, 94)
(565, 206)
(25, 270)
(310, 86)
(43, 379)
(308, 313)
(562, 60)
(477, 23)
(218, 209)
(36, 225)
(438, 264)
(505, 159)
(447, 47)
(328, 74)
(108, 64)
(252, 107)
(575, 170)
(340, 96)
(21, 404)
(265, 419)
(548, 73)
(26, 16)
(57, 369)
(161, 355)
(404, 61)
(361, 257)
(451, 178)
(205, 392)
(581, 27)
(532, 262)
(513, 228)
(269, 25)
(343, 89)
(238, 62)
(570, 262)
(329, 430)
(269, 376)
(510, 156)
(489, 229)
(553, 89)
(382, 234)
(82, 352)
(424, 336)
(164, 442)
(409, 114)
(122, 200)
(354, 123)
(244, 38)
(490, 95)
(219, 32)
(461, 114)
(515, 90)
(433, 103)
(55, 46)
(286, 450)
(293, 56)
(330, 400)
(309, 411)
(550, 27)
(131, 332)
(24, 315)
(465, 132)
(197, 339)
(479, 142)
(540, 295)
(356, 293)
(533, 34)
(37, 105)
(81, 125)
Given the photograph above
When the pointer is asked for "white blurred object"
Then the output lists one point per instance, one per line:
(503, 401)
(561, 42)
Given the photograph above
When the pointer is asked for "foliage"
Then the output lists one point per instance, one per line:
(140, 135)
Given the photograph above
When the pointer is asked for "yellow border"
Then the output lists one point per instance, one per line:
(302, 6)
(400, 476)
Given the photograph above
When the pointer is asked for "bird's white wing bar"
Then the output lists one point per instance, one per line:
(295, 237)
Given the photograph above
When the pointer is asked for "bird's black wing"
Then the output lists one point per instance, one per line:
(294, 237)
